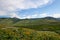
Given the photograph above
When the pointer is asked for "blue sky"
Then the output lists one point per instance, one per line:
(29, 8)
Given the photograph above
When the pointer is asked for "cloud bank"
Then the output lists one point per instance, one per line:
(55, 15)
(9, 7)
(23, 4)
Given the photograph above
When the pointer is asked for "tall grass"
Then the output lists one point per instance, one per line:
(27, 34)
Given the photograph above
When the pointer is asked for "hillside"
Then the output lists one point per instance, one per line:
(47, 28)
(45, 24)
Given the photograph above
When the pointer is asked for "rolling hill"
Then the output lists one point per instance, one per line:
(47, 23)
(47, 28)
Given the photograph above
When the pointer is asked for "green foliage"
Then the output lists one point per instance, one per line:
(29, 29)
(27, 34)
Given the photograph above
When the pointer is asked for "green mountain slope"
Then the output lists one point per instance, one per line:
(41, 24)
(47, 28)
(45, 24)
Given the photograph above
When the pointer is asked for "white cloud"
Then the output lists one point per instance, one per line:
(14, 15)
(23, 4)
(3, 13)
(9, 6)
(30, 16)
(43, 15)
(36, 15)
(56, 15)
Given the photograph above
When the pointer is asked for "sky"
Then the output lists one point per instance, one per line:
(29, 8)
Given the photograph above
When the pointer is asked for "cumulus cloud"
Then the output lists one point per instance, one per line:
(7, 7)
(14, 15)
(36, 15)
(23, 4)
(44, 15)
(3, 13)
(56, 15)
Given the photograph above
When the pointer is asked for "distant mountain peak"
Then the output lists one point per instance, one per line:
(50, 18)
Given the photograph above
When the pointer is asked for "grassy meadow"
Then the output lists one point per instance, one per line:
(29, 29)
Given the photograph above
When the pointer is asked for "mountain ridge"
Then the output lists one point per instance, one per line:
(41, 24)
